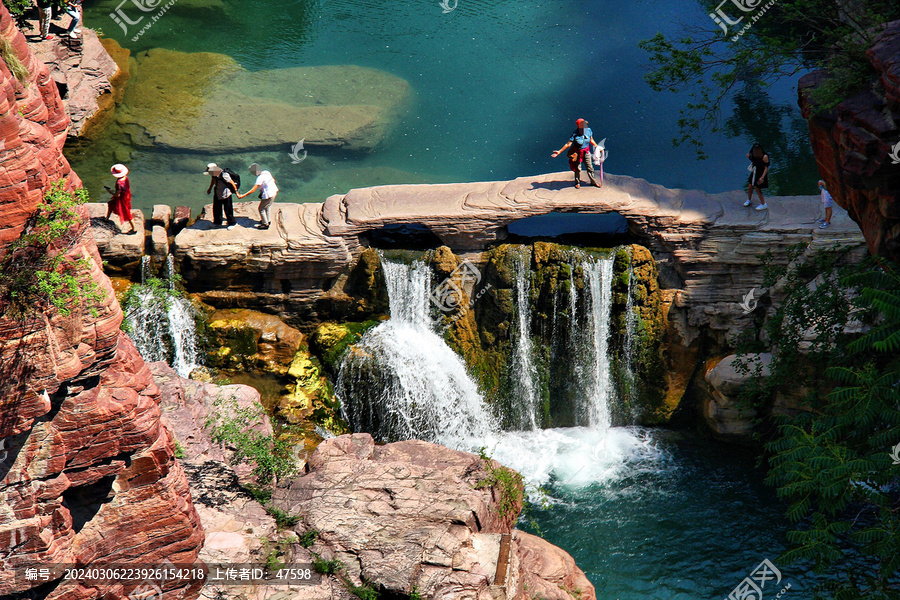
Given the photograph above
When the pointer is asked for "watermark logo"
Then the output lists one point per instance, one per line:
(895, 154)
(895, 454)
(295, 150)
(449, 295)
(724, 19)
(146, 591)
(445, 4)
(750, 302)
(751, 588)
(123, 19)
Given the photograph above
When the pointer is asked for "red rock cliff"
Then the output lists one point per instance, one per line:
(87, 471)
(853, 143)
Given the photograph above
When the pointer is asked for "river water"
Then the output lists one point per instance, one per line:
(496, 86)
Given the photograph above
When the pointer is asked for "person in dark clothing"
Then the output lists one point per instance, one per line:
(224, 188)
(759, 175)
(580, 142)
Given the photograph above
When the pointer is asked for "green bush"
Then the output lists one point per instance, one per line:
(326, 567)
(37, 274)
(309, 538)
(508, 482)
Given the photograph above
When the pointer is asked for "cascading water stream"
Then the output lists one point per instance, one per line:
(402, 381)
(599, 388)
(523, 367)
(162, 332)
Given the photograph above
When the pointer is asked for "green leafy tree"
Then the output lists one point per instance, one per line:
(832, 464)
(38, 272)
(788, 37)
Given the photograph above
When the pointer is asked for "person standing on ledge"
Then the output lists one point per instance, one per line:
(224, 186)
(759, 175)
(580, 141)
(120, 202)
(265, 183)
(45, 15)
(827, 202)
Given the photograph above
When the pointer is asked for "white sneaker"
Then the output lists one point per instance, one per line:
(747, 203)
(230, 227)
(762, 207)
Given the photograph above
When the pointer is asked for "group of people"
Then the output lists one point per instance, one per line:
(45, 15)
(581, 141)
(224, 185)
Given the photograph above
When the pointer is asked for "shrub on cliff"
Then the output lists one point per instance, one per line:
(39, 272)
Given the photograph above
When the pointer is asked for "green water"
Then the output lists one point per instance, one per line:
(496, 86)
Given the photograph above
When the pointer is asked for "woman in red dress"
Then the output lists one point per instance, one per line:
(120, 203)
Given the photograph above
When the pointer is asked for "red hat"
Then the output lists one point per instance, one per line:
(580, 123)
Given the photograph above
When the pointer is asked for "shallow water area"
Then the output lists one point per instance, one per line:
(496, 86)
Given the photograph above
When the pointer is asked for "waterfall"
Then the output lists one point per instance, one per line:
(402, 381)
(595, 410)
(523, 367)
(161, 324)
(182, 327)
(627, 358)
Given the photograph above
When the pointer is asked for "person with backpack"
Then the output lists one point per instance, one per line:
(580, 141)
(224, 183)
(265, 183)
(759, 175)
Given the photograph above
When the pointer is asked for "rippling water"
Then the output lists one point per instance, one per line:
(497, 86)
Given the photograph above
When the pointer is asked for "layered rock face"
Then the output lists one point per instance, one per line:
(856, 146)
(413, 516)
(87, 474)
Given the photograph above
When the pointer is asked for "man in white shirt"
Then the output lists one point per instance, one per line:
(265, 183)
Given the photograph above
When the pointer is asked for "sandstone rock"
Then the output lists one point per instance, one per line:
(162, 215)
(412, 514)
(86, 72)
(181, 219)
(159, 242)
(207, 101)
(722, 405)
(121, 251)
(853, 143)
(709, 245)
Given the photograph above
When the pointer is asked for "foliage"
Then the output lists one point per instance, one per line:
(507, 482)
(832, 463)
(233, 425)
(415, 595)
(309, 538)
(326, 567)
(15, 66)
(363, 592)
(275, 552)
(789, 37)
(282, 518)
(179, 450)
(37, 273)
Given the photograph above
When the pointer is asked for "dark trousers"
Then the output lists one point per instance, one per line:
(218, 205)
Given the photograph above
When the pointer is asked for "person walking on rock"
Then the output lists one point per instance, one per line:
(120, 202)
(580, 141)
(45, 15)
(827, 202)
(265, 183)
(223, 186)
(759, 175)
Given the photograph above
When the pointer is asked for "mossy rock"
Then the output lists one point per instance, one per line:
(330, 341)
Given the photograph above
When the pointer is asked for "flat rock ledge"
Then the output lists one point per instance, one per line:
(416, 516)
(707, 245)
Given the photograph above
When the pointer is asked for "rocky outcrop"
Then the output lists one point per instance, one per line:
(413, 516)
(85, 73)
(707, 246)
(33, 127)
(205, 101)
(857, 145)
(88, 475)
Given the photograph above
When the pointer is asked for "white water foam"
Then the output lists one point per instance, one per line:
(523, 366)
(426, 392)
